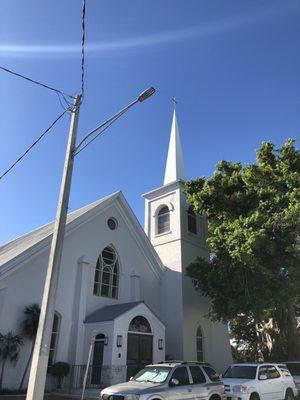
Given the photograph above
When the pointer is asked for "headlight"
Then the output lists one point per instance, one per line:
(132, 397)
(240, 388)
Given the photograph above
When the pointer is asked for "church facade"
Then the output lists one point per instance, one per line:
(123, 294)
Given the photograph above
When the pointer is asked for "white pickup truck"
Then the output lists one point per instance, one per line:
(258, 382)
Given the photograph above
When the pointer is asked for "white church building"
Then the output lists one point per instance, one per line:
(119, 284)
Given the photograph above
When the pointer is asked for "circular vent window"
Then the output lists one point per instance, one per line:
(112, 223)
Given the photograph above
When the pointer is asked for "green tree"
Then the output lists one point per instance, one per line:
(253, 216)
(29, 330)
(10, 345)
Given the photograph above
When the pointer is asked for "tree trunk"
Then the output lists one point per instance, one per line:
(293, 336)
(28, 363)
(2, 373)
(289, 334)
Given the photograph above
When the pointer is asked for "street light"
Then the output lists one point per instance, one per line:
(146, 94)
(39, 364)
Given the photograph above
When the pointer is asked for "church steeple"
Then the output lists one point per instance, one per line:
(174, 167)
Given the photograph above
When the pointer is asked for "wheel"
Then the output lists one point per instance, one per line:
(254, 396)
(289, 395)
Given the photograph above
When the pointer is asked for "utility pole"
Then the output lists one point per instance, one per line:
(39, 365)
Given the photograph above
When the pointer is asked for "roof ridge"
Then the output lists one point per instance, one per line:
(88, 206)
(37, 235)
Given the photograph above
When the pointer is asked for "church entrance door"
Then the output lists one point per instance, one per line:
(97, 359)
(139, 352)
(139, 345)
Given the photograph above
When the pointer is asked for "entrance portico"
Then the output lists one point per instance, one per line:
(128, 336)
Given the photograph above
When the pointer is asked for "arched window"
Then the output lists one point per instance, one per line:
(139, 324)
(107, 274)
(163, 220)
(192, 220)
(199, 344)
(54, 338)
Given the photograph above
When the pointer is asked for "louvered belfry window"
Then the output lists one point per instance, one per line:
(163, 220)
(192, 221)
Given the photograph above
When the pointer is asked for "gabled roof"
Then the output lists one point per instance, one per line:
(109, 313)
(15, 252)
(14, 248)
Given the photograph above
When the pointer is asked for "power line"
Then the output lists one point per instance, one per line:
(64, 95)
(82, 48)
(33, 144)
(60, 94)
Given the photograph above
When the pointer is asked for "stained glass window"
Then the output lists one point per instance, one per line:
(106, 281)
(140, 324)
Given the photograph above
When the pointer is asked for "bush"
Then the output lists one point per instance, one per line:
(60, 370)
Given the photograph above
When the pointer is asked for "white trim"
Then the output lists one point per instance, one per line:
(141, 238)
(44, 244)
(130, 219)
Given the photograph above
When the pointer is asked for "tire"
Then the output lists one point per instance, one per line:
(289, 395)
(215, 397)
(254, 396)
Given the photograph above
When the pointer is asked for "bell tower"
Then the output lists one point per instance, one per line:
(179, 236)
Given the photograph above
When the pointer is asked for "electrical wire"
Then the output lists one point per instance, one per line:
(33, 144)
(64, 95)
(60, 94)
(83, 48)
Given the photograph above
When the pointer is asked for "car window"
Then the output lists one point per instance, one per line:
(273, 373)
(181, 374)
(263, 371)
(152, 374)
(211, 373)
(197, 375)
(241, 372)
(284, 370)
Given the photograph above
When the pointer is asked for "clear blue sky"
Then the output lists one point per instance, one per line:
(233, 65)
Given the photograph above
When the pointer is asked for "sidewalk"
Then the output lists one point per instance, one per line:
(46, 397)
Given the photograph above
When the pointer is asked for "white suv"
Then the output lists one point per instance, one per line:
(258, 382)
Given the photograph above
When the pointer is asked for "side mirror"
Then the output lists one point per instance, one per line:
(174, 382)
(263, 377)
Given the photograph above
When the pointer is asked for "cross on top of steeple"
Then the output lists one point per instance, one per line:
(174, 102)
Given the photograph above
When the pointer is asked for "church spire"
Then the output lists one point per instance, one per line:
(174, 167)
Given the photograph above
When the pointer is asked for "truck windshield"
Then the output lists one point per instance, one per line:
(241, 372)
(152, 374)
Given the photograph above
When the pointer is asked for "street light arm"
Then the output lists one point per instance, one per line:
(99, 129)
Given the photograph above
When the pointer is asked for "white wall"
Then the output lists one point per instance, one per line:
(24, 285)
(122, 324)
(168, 247)
(183, 308)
